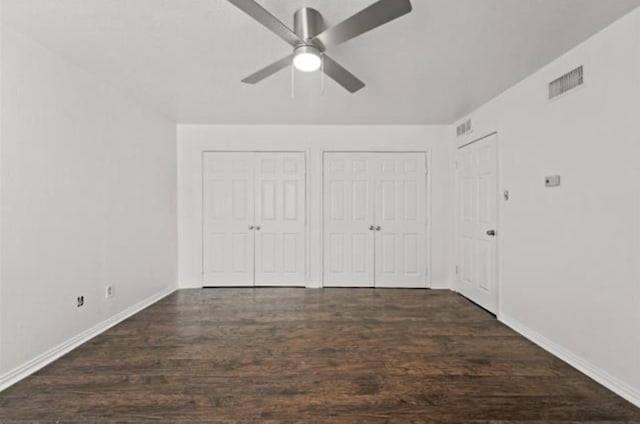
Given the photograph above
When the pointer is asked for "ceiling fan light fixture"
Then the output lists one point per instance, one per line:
(307, 59)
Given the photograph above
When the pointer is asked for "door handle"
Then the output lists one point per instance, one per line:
(372, 228)
(251, 227)
(491, 233)
(378, 228)
(258, 228)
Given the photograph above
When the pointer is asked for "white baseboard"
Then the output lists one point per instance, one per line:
(30, 367)
(443, 285)
(612, 383)
(190, 285)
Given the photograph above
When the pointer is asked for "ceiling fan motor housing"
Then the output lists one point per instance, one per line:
(307, 23)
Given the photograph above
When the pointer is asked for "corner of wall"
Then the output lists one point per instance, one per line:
(120, 198)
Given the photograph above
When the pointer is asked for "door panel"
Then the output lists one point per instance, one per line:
(245, 191)
(375, 189)
(400, 245)
(228, 213)
(477, 213)
(348, 215)
(281, 218)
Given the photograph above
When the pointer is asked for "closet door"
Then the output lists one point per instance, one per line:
(280, 224)
(348, 219)
(228, 214)
(400, 211)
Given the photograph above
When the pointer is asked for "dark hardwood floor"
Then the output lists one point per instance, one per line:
(294, 355)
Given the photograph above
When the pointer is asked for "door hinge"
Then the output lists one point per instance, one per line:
(457, 270)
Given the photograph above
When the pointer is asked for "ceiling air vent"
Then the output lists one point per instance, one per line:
(464, 128)
(566, 82)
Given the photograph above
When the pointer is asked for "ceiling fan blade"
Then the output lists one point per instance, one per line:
(340, 75)
(377, 14)
(269, 70)
(260, 14)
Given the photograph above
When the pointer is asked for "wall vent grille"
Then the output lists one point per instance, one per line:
(464, 128)
(566, 82)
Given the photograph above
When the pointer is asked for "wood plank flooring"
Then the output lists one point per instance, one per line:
(295, 355)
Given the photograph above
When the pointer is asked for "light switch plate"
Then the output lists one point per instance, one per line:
(552, 181)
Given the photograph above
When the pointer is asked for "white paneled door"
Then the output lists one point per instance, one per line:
(477, 220)
(401, 220)
(228, 214)
(349, 217)
(254, 219)
(281, 219)
(375, 220)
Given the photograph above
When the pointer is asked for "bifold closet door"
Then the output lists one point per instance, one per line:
(228, 214)
(348, 218)
(375, 220)
(401, 220)
(280, 249)
(254, 219)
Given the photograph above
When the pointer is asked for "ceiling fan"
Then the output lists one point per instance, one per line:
(310, 38)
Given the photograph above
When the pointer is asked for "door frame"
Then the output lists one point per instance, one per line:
(203, 153)
(499, 196)
(428, 206)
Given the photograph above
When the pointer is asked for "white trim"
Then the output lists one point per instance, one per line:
(30, 367)
(612, 383)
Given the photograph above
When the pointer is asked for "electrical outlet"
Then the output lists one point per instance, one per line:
(109, 291)
(80, 301)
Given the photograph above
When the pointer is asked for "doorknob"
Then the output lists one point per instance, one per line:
(491, 233)
(258, 228)
(372, 228)
(251, 227)
(378, 228)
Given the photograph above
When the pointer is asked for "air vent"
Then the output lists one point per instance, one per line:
(464, 128)
(566, 82)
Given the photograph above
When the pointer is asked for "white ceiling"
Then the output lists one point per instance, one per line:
(187, 57)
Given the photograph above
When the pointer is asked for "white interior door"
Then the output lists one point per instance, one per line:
(375, 229)
(477, 216)
(348, 219)
(401, 220)
(280, 224)
(228, 215)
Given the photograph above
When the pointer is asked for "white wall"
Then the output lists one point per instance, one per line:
(1, 120)
(194, 139)
(570, 256)
(88, 198)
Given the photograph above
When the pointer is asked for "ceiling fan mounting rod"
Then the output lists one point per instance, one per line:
(308, 23)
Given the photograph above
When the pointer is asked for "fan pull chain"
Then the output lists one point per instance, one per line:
(322, 76)
(293, 82)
